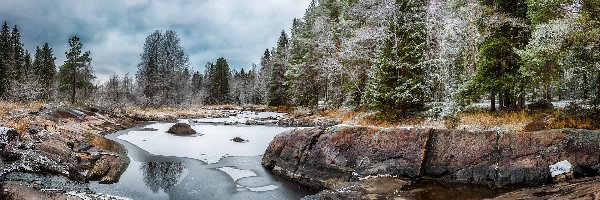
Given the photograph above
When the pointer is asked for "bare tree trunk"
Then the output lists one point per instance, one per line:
(493, 103)
(598, 87)
(521, 101)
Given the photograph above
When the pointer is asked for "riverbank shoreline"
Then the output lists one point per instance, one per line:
(77, 136)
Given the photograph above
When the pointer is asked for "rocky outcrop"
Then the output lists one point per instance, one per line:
(60, 141)
(181, 129)
(322, 158)
(108, 169)
(588, 188)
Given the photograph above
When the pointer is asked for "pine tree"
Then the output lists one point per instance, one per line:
(397, 83)
(44, 70)
(5, 59)
(75, 75)
(277, 89)
(18, 69)
(266, 68)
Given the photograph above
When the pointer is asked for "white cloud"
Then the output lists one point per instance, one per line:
(115, 30)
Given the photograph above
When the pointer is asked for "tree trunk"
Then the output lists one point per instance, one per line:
(547, 91)
(493, 103)
(586, 92)
(501, 100)
(521, 101)
(598, 87)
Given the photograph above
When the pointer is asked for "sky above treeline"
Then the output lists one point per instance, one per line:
(115, 30)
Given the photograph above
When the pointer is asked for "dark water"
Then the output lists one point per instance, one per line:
(432, 190)
(161, 177)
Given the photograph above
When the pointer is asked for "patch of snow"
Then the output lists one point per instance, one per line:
(99, 196)
(211, 147)
(243, 117)
(237, 174)
(560, 168)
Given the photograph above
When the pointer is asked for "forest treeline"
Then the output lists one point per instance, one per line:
(392, 56)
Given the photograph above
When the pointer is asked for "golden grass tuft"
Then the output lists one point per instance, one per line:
(372, 120)
(486, 120)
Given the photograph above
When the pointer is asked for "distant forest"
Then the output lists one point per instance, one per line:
(395, 57)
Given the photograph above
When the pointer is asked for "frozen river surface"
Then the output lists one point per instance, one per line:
(208, 165)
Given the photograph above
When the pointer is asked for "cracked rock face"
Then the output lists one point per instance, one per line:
(322, 158)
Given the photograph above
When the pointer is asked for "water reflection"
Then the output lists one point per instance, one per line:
(161, 175)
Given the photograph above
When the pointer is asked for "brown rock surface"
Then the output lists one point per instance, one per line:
(324, 157)
(181, 129)
(108, 169)
(588, 188)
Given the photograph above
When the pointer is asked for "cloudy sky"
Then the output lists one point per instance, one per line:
(115, 30)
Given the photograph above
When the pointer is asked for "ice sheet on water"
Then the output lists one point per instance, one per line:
(211, 147)
(237, 174)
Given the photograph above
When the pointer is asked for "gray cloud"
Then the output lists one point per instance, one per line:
(114, 30)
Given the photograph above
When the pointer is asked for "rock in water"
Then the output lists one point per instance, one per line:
(181, 129)
(239, 139)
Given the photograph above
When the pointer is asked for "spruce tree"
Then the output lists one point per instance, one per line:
(277, 89)
(18, 68)
(44, 69)
(397, 83)
(5, 59)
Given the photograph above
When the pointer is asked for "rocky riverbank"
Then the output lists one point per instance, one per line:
(326, 158)
(40, 147)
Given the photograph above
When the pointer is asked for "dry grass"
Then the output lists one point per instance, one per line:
(372, 120)
(485, 120)
(6, 107)
(20, 124)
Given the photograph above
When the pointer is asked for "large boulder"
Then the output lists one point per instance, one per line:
(181, 129)
(323, 158)
(108, 169)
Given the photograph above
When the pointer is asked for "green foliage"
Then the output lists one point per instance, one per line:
(44, 69)
(5, 59)
(397, 83)
(218, 82)
(540, 12)
(76, 75)
(514, 8)
(277, 89)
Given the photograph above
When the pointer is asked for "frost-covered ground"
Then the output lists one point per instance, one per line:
(212, 145)
(244, 117)
(557, 104)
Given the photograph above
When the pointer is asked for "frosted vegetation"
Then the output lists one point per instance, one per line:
(397, 58)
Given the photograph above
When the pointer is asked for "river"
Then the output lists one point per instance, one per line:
(207, 165)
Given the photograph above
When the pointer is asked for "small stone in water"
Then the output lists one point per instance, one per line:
(239, 139)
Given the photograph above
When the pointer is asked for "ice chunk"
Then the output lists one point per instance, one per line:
(237, 174)
(560, 168)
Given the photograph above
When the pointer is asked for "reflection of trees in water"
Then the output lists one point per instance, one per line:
(161, 175)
